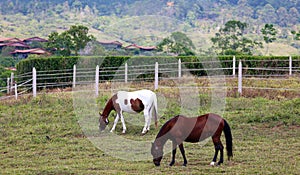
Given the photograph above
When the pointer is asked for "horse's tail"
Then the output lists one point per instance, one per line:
(228, 137)
(155, 110)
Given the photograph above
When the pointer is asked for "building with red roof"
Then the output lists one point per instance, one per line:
(26, 52)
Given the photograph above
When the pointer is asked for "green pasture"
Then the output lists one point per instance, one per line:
(44, 135)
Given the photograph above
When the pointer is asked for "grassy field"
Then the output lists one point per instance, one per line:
(42, 136)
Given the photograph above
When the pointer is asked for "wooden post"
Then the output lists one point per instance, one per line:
(233, 66)
(34, 82)
(126, 73)
(240, 78)
(179, 68)
(74, 76)
(156, 76)
(290, 65)
(97, 81)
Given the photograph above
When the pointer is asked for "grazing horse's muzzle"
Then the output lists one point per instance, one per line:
(156, 163)
(103, 123)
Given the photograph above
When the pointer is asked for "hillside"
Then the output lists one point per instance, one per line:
(147, 22)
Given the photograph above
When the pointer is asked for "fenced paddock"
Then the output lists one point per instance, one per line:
(42, 135)
(241, 77)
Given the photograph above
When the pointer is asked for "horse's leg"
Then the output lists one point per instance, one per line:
(146, 115)
(183, 154)
(115, 123)
(149, 119)
(216, 143)
(213, 163)
(123, 124)
(174, 145)
(218, 147)
(221, 153)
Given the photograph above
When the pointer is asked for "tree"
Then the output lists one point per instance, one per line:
(230, 40)
(294, 16)
(60, 44)
(79, 37)
(269, 33)
(296, 35)
(247, 10)
(178, 43)
(267, 14)
(283, 15)
(74, 39)
(77, 5)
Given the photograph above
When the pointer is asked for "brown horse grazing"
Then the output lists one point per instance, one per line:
(181, 128)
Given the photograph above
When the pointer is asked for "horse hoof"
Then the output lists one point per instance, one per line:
(212, 163)
(143, 133)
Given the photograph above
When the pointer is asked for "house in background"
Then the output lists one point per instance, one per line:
(111, 45)
(34, 40)
(140, 48)
(26, 52)
(16, 45)
(22, 48)
(9, 40)
(12, 43)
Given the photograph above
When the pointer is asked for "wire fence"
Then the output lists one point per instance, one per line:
(278, 71)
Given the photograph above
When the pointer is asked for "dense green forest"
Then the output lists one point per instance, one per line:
(266, 11)
(148, 22)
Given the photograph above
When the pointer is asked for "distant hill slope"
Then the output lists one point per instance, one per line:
(147, 22)
(263, 10)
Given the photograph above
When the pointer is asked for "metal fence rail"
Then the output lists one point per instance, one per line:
(35, 80)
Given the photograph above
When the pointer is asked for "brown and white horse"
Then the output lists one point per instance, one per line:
(130, 102)
(196, 129)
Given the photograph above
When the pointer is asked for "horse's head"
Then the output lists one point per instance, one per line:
(157, 153)
(103, 121)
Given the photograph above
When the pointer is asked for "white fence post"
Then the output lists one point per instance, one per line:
(126, 72)
(290, 65)
(156, 76)
(233, 66)
(16, 91)
(11, 82)
(240, 78)
(34, 82)
(179, 68)
(97, 81)
(74, 76)
(8, 87)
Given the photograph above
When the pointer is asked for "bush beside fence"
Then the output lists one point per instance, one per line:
(193, 63)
